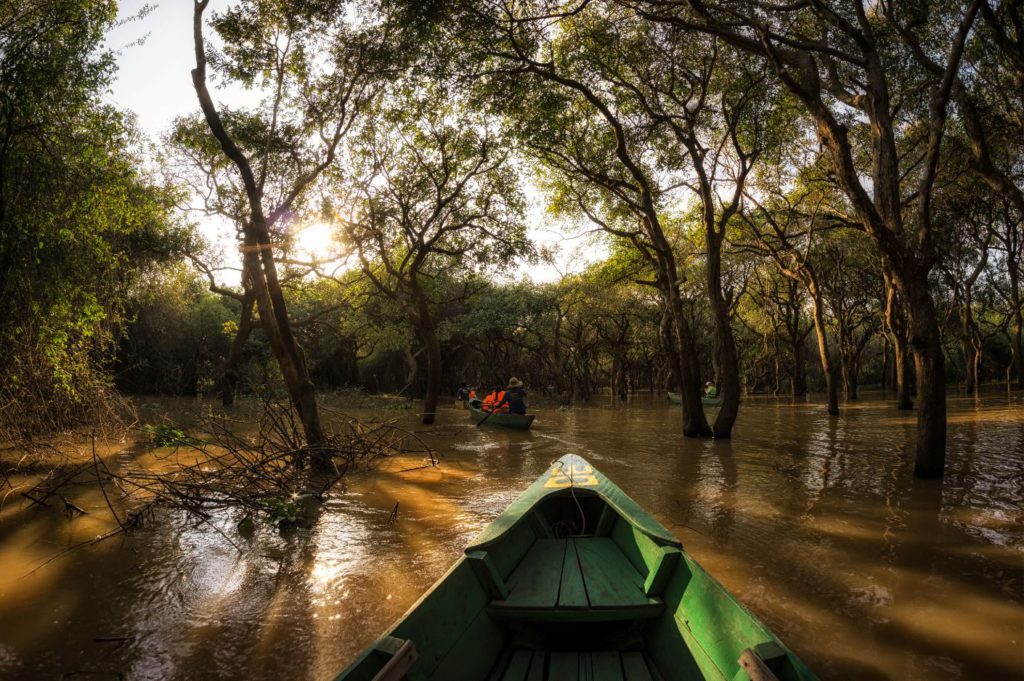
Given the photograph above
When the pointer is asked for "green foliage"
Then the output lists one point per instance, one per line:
(167, 435)
(176, 341)
(80, 220)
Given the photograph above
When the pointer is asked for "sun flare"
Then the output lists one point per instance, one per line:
(316, 242)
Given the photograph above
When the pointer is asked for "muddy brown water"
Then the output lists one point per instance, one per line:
(814, 523)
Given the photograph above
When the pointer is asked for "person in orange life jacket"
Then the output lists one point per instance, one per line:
(490, 399)
(514, 398)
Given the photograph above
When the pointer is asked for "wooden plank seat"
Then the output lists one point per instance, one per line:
(574, 580)
(536, 665)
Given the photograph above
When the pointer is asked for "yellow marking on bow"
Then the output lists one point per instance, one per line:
(577, 475)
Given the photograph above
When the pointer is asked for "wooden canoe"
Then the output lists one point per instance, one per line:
(676, 398)
(520, 421)
(576, 581)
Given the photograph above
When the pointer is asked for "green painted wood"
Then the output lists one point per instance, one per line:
(540, 525)
(472, 655)
(634, 667)
(517, 421)
(591, 482)
(675, 398)
(607, 666)
(623, 536)
(665, 644)
(696, 628)
(535, 583)
(637, 546)
(572, 593)
(586, 668)
(769, 651)
(537, 666)
(508, 552)
(442, 616)
(605, 522)
(518, 667)
(563, 666)
(485, 570)
(662, 570)
(649, 609)
(610, 579)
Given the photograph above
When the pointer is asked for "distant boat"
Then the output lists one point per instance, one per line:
(575, 580)
(676, 398)
(520, 421)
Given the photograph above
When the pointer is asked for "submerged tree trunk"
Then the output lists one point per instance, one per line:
(929, 364)
(695, 424)
(725, 343)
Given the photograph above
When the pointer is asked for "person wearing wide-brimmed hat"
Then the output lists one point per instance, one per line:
(514, 397)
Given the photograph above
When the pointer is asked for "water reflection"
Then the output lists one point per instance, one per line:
(814, 522)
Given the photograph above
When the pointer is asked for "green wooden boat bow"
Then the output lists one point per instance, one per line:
(575, 580)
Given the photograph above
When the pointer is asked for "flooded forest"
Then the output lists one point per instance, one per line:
(512, 339)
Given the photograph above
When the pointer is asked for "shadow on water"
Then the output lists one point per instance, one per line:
(815, 523)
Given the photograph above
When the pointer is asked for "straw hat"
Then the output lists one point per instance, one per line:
(515, 383)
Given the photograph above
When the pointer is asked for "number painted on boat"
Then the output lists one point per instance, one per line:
(575, 475)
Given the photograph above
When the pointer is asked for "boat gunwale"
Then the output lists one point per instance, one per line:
(621, 503)
(519, 421)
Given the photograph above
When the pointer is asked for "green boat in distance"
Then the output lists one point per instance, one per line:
(676, 398)
(519, 421)
(575, 581)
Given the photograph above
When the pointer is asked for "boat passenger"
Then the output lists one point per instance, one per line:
(710, 390)
(492, 398)
(514, 397)
(462, 394)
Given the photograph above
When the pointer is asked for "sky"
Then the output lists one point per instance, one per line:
(155, 58)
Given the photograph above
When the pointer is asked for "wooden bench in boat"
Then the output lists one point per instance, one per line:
(531, 665)
(586, 579)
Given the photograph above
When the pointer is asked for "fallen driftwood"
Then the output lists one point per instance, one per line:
(70, 508)
(260, 475)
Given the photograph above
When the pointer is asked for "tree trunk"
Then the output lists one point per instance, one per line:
(695, 424)
(229, 385)
(725, 343)
(926, 342)
(967, 346)
(897, 327)
(884, 384)
(433, 347)
(276, 325)
(799, 371)
(848, 367)
(1017, 339)
(668, 345)
(258, 258)
(827, 366)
